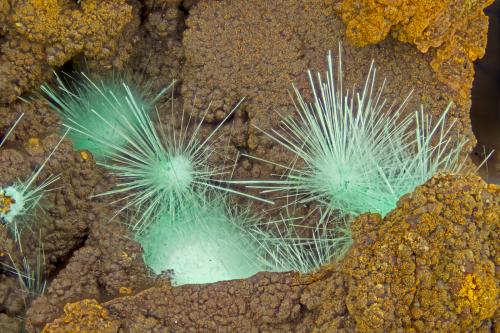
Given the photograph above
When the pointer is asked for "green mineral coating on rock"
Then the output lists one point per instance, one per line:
(201, 243)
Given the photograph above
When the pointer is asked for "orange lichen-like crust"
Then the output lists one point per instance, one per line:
(5, 203)
(431, 265)
(86, 316)
(85, 155)
(34, 145)
(478, 294)
(456, 29)
(40, 34)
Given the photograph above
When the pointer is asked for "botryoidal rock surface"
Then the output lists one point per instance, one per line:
(257, 49)
(37, 35)
(62, 225)
(393, 278)
(68, 212)
(107, 266)
(432, 264)
(159, 56)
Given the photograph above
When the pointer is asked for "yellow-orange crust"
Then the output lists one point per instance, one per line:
(86, 316)
(454, 30)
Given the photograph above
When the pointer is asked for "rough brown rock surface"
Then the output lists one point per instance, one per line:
(431, 264)
(257, 49)
(159, 56)
(38, 120)
(63, 223)
(108, 265)
(40, 34)
(8, 324)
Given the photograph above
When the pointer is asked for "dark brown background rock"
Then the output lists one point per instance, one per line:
(257, 49)
(37, 35)
(431, 264)
(224, 51)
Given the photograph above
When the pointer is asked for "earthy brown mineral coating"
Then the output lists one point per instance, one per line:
(159, 57)
(257, 49)
(40, 34)
(430, 265)
(11, 296)
(108, 265)
(38, 120)
(65, 219)
(9, 324)
(252, 49)
(63, 224)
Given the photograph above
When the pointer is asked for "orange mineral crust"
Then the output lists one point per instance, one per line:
(454, 30)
